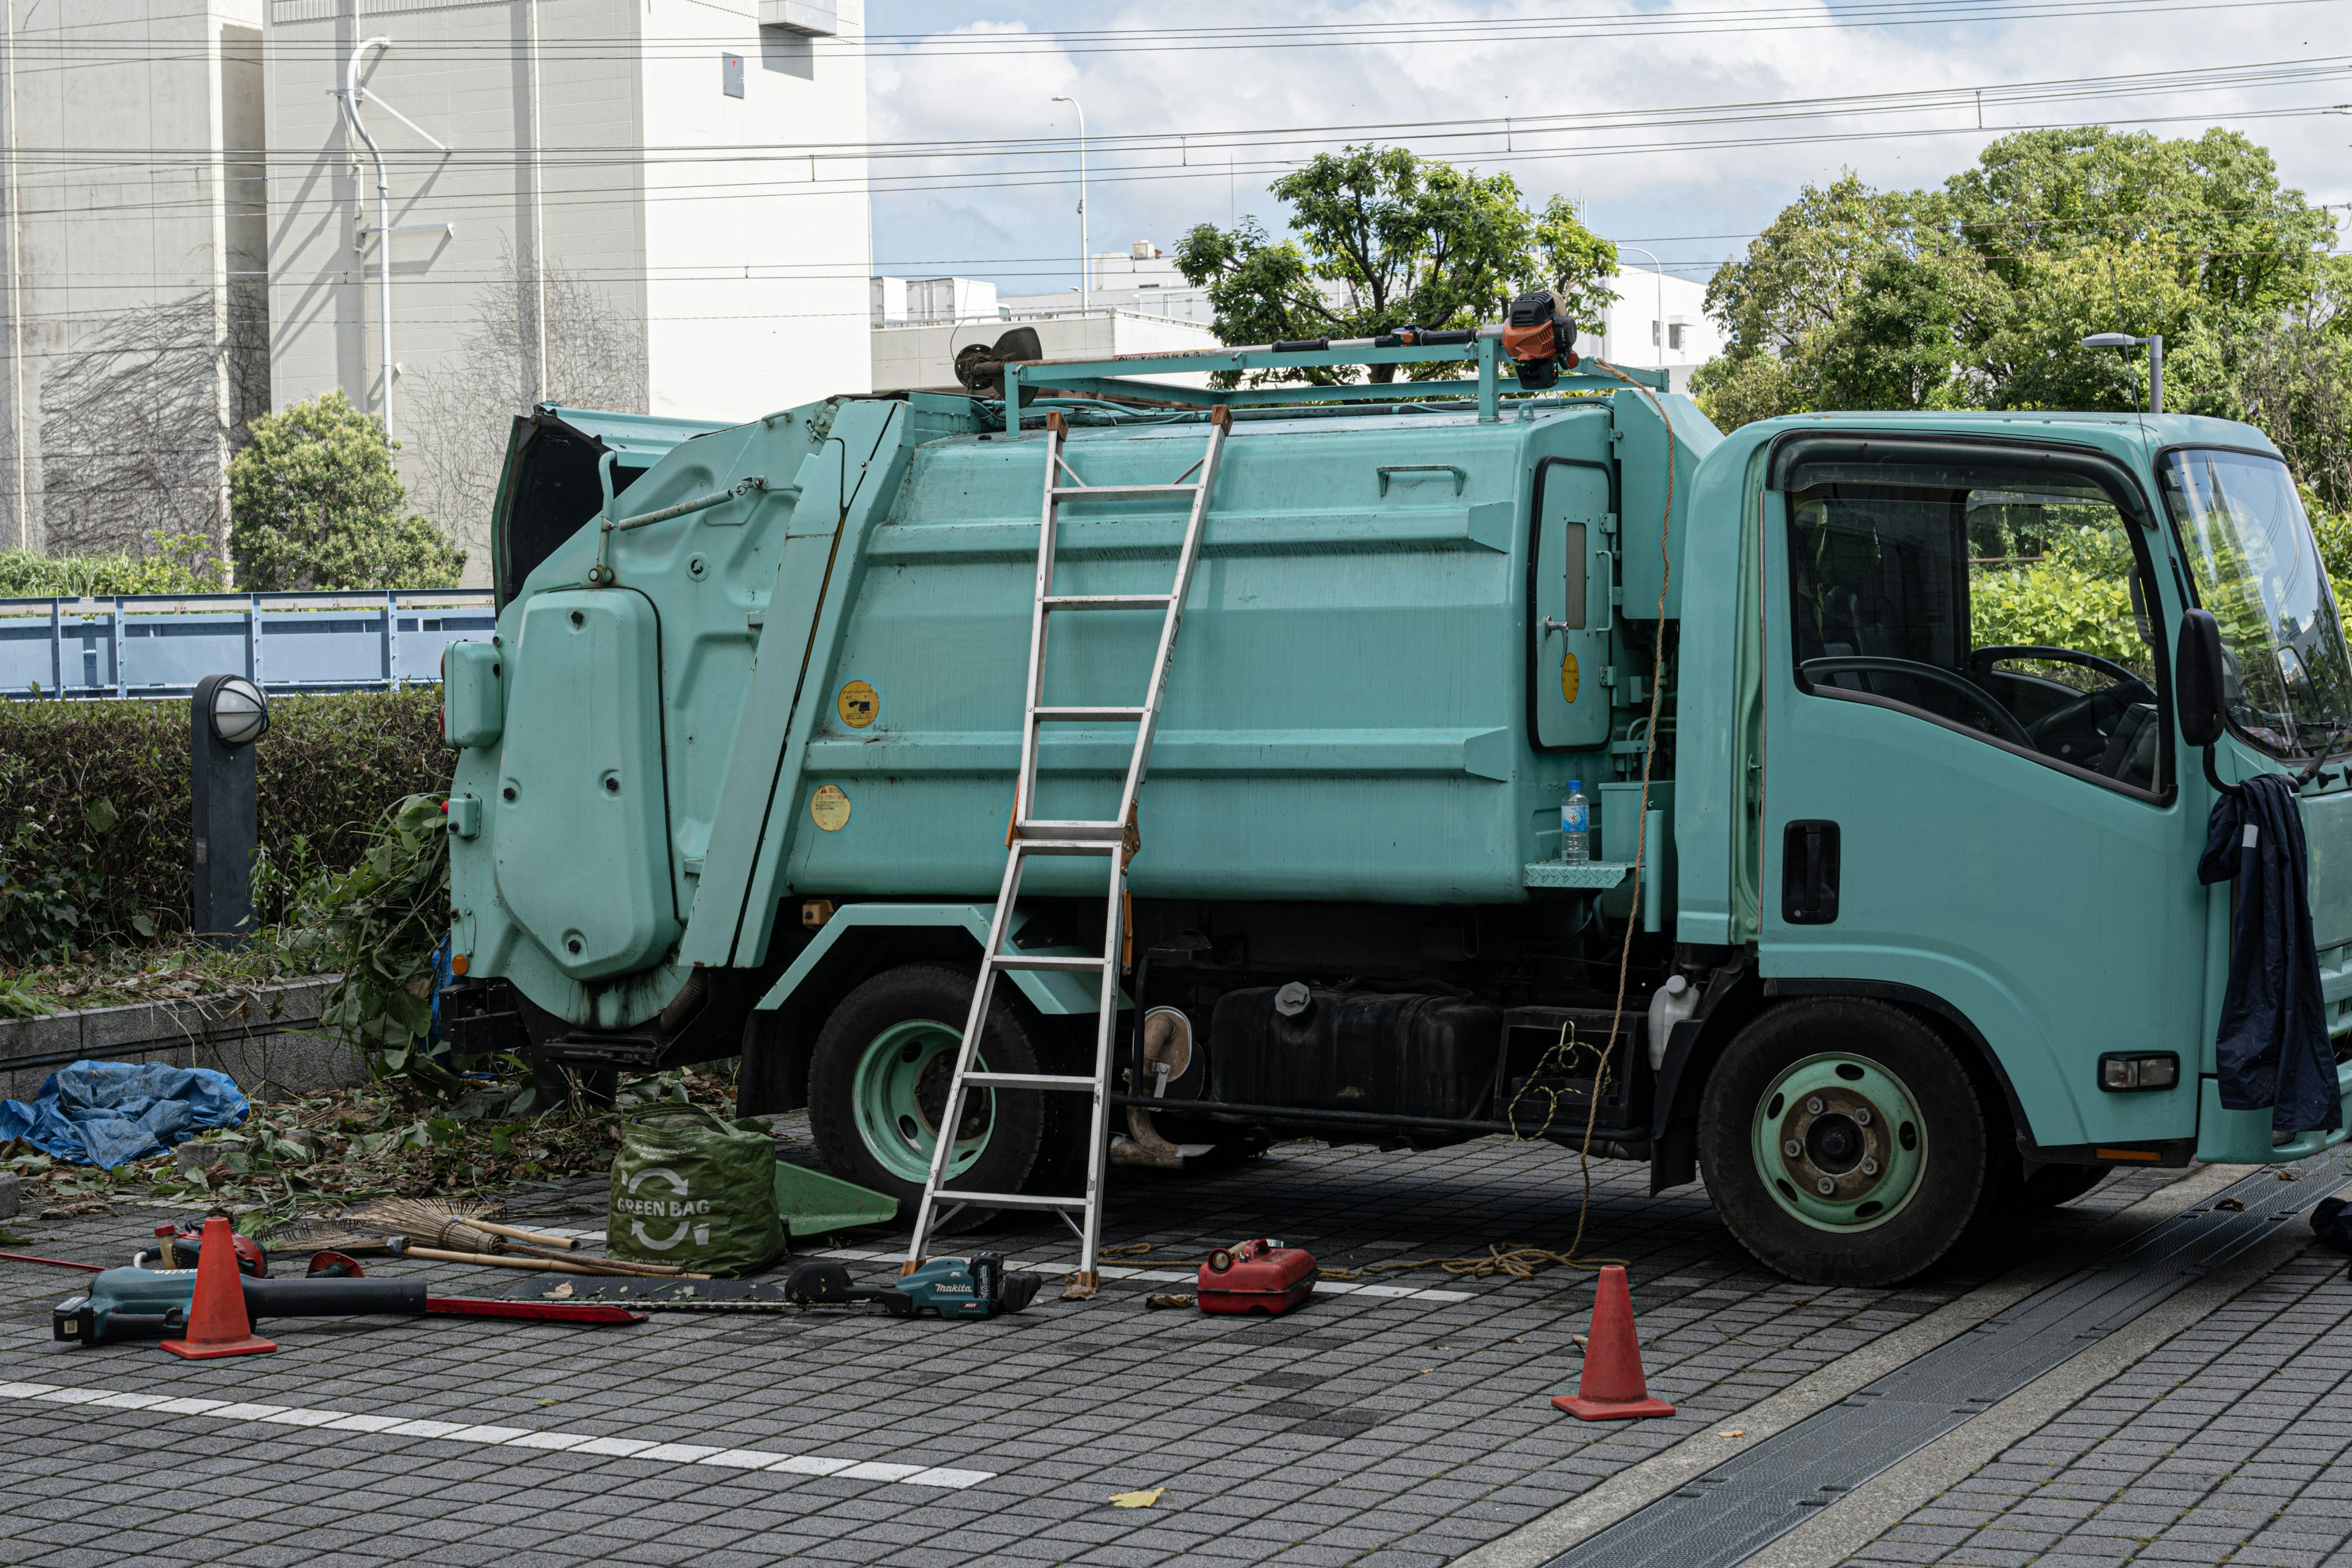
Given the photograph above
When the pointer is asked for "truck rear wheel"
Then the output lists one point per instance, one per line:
(878, 1085)
(1841, 1142)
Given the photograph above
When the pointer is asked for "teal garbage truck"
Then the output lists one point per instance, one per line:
(1899, 735)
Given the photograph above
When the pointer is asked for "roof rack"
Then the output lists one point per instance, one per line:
(1117, 376)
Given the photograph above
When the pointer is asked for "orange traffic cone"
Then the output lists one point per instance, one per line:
(218, 1325)
(1613, 1388)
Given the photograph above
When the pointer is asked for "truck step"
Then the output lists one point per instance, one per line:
(638, 1053)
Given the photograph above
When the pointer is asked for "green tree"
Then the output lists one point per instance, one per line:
(1978, 293)
(1384, 239)
(2293, 376)
(1906, 338)
(1776, 302)
(314, 502)
(2211, 204)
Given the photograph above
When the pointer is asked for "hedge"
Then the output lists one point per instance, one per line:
(330, 765)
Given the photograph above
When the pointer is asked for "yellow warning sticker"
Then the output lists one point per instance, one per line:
(829, 808)
(857, 704)
(1570, 680)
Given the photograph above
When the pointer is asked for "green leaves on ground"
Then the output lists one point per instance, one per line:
(315, 502)
(1384, 239)
(378, 924)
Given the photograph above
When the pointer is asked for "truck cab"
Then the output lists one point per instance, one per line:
(1891, 921)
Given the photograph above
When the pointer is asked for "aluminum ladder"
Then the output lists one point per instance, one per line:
(1114, 839)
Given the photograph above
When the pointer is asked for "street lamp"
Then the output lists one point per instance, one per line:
(1085, 258)
(226, 715)
(2155, 360)
(1660, 324)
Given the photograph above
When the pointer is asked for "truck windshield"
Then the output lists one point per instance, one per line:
(2288, 679)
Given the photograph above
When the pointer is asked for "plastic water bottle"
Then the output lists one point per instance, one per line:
(1575, 826)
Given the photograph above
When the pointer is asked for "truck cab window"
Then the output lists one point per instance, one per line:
(2005, 601)
(2287, 677)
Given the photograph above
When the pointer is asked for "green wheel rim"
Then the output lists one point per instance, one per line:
(898, 1091)
(1840, 1142)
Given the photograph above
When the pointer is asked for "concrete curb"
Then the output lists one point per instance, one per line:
(256, 1036)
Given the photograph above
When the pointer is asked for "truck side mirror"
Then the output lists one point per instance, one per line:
(2197, 677)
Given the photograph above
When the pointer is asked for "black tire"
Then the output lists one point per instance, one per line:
(1927, 1155)
(893, 1001)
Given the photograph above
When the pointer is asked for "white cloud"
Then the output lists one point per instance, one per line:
(1022, 234)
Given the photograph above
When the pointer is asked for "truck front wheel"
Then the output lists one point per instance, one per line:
(878, 1087)
(1841, 1142)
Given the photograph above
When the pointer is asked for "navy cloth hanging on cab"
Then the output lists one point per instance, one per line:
(2272, 1046)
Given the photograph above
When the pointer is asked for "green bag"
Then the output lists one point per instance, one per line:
(691, 1189)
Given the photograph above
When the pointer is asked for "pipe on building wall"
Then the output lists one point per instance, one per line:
(539, 212)
(351, 94)
(16, 298)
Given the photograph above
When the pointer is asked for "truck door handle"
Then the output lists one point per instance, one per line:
(1550, 626)
(1809, 873)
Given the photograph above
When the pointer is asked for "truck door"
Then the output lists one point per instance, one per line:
(1971, 790)
(1570, 604)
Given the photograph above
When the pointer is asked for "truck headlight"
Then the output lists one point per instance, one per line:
(2120, 1074)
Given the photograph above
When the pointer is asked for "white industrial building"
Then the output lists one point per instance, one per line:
(133, 266)
(1136, 302)
(664, 193)
(1659, 321)
(668, 195)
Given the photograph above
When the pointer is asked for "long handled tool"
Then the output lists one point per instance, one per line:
(53, 1262)
(149, 1303)
(400, 1246)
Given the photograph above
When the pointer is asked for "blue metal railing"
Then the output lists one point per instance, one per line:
(161, 645)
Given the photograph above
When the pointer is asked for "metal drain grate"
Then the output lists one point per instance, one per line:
(1749, 1501)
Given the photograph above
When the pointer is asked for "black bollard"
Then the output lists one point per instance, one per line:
(227, 716)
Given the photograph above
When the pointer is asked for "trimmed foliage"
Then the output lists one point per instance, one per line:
(173, 563)
(330, 767)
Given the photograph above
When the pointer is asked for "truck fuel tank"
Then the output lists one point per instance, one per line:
(1328, 1049)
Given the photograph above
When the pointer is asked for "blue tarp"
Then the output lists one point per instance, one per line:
(111, 1113)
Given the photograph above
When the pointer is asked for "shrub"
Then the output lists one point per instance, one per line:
(314, 502)
(175, 564)
(328, 769)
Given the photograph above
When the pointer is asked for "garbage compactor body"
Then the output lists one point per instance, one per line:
(735, 774)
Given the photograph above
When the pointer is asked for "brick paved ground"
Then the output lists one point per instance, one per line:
(2231, 1443)
(1353, 1431)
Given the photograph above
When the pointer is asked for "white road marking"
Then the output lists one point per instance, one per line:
(509, 1436)
(1186, 1276)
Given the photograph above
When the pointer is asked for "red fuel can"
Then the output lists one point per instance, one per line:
(1256, 1277)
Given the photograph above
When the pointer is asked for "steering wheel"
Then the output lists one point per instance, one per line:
(2004, 723)
(1982, 661)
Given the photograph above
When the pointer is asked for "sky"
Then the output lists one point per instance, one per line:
(1680, 126)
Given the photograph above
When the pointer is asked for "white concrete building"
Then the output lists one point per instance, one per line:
(652, 205)
(133, 260)
(923, 354)
(1658, 322)
(1139, 279)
